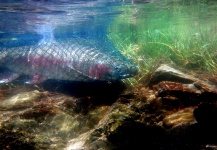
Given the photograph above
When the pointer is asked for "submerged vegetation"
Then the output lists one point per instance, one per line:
(176, 32)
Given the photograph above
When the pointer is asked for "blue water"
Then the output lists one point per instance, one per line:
(35, 23)
(27, 22)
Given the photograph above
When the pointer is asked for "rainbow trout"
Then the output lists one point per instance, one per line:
(74, 60)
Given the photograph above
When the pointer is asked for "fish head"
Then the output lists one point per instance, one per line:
(122, 68)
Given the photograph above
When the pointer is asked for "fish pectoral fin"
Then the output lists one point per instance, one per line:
(78, 72)
(36, 79)
(7, 76)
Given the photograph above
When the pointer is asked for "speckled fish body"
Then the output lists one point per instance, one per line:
(71, 60)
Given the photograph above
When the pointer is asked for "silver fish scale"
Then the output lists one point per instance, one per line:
(74, 60)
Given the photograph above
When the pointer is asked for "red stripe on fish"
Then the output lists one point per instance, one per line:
(98, 71)
(43, 61)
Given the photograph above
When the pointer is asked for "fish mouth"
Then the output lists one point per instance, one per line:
(126, 72)
(125, 76)
(112, 69)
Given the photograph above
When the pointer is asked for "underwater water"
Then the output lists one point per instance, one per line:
(145, 32)
(78, 74)
(179, 32)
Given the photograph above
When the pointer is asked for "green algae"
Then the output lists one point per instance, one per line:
(181, 33)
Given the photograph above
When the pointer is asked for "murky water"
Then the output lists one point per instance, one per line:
(65, 64)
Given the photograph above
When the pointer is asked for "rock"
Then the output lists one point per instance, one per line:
(206, 115)
(209, 147)
(48, 121)
(13, 140)
(161, 116)
(171, 84)
(78, 142)
(21, 100)
(165, 86)
(177, 95)
(178, 118)
(167, 73)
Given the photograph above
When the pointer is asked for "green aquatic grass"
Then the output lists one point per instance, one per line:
(171, 32)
